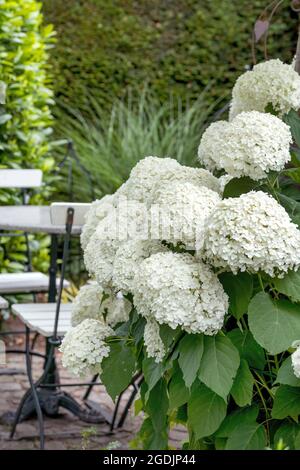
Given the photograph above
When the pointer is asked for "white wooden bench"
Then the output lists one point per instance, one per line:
(21, 179)
(40, 318)
(14, 283)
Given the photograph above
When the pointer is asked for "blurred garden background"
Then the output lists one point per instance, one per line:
(121, 79)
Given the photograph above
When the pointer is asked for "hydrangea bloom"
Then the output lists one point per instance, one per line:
(87, 303)
(84, 347)
(99, 256)
(98, 211)
(153, 172)
(199, 177)
(116, 309)
(251, 145)
(183, 210)
(145, 174)
(178, 290)
(94, 302)
(296, 359)
(252, 232)
(153, 342)
(271, 82)
(129, 220)
(128, 259)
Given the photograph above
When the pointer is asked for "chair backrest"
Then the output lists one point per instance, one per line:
(69, 214)
(21, 179)
(58, 211)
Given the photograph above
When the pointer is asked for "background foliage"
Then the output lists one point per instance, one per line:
(110, 142)
(109, 46)
(25, 118)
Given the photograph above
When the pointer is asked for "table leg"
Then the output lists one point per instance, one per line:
(52, 376)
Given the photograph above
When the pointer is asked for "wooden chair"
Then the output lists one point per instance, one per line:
(51, 320)
(28, 281)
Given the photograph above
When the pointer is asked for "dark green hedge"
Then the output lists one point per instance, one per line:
(178, 46)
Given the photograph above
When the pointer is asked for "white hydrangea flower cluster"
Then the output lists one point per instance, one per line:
(116, 309)
(177, 289)
(129, 220)
(84, 347)
(252, 232)
(296, 359)
(98, 211)
(268, 83)
(87, 303)
(153, 343)
(152, 173)
(252, 144)
(183, 211)
(128, 259)
(94, 302)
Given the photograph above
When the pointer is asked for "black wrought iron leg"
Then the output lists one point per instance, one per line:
(34, 392)
(34, 340)
(53, 269)
(18, 413)
(128, 405)
(27, 405)
(114, 418)
(90, 387)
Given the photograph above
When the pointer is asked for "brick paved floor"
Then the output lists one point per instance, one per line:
(65, 431)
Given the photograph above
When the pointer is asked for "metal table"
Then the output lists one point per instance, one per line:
(36, 219)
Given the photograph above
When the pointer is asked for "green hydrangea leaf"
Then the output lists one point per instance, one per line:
(206, 410)
(219, 364)
(275, 324)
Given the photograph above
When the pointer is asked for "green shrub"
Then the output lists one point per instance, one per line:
(25, 118)
(109, 46)
(109, 144)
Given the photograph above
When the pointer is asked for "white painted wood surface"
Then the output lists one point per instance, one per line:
(3, 303)
(25, 282)
(32, 219)
(21, 178)
(41, 317)
(58, 212)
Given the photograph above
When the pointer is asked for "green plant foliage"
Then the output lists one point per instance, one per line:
(242, 388)
(110, 143)
(246, 415)
(275, 324)
(286, 402)
(118, 368)
(288, 433)
(219, 364)
(286, 374)
(190, 355)
(248, 348)
(237, 186)
(289, 285)
(247, 437)
(239, 289)
(178, 392)
(25, 117)
(111, 46)
(206, 410)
